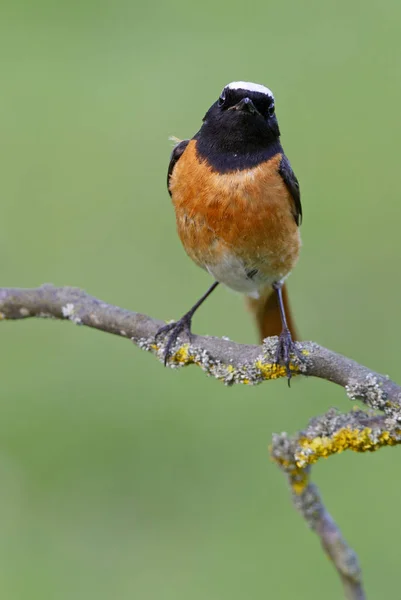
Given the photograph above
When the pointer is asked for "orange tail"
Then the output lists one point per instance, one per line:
(267, 314)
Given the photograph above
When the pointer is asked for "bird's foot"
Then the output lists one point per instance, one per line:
(285, 348)
(173, 332)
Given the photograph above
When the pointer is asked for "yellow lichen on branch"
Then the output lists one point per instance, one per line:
(330, 434)
(357, 440)
(262, 368)
(297, 476)
(273, 371)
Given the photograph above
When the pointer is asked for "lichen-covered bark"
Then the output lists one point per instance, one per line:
(226, 360)
(232, 363)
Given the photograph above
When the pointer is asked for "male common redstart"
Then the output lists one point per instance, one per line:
(238, 208)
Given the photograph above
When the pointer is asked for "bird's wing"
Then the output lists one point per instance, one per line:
(292, 184)
(177, 152)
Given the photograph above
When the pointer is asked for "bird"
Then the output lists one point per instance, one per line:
(238, 211)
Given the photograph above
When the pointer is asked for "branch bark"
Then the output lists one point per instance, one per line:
(226, 360)
(232, 363)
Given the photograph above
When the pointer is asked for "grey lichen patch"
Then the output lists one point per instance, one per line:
(369, 391)
(310, 347)
(69, 313)
(67, 310)
(282, 449)
(269, 348)
(147, 344)
(330, 422)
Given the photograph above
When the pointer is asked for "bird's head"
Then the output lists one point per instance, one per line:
(243, 112)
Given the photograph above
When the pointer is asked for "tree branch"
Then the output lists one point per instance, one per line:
(231, 363)
(329, 434)
(220, 357)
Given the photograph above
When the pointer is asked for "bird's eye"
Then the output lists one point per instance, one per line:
(222, 99)
(270, 110)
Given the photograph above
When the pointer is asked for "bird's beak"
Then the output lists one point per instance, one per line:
(246, 105)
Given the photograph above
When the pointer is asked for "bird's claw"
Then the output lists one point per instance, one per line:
(285, 348)
(173, 332)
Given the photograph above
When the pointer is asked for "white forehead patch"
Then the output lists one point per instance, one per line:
(251, 87)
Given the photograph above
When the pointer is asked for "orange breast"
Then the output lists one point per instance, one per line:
(248, 214)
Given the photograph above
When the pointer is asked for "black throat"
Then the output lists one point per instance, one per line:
(234, 142)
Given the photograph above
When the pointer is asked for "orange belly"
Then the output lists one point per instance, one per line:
(239, 226)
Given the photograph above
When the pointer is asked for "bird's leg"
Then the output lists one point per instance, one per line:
(183, 325)
(285, 345)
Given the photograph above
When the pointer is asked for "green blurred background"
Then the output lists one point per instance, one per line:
(122, 479)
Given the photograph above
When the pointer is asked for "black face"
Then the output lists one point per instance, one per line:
(239, 130)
